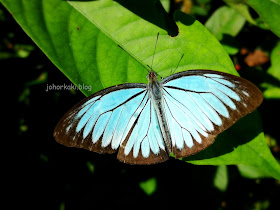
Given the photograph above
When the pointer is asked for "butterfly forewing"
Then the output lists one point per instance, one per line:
(97, 122)
(201, 104)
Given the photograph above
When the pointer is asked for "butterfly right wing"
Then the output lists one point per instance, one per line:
(200, 104)
(116, 117)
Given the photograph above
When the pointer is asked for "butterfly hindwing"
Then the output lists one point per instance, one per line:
(200, 104)
(144, 144)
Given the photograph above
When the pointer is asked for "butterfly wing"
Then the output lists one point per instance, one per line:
(119, 116)
(200, 104)
(144, 144)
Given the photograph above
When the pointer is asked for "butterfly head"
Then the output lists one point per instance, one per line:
(152, 76)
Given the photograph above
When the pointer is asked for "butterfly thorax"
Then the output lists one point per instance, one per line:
(152, 76)
(155, 87)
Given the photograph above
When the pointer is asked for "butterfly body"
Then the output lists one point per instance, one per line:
(156, 94)
(182, 114)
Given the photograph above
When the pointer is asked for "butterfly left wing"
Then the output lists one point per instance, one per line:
(119, 117)
(98, 122)
(200, 104)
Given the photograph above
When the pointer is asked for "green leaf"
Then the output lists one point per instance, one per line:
(225, 23)
(90, 167)
(242, 8)
(243, 143)
(269, 11)
(272, 80)
(149, 186)
(82, 39)
(84, 45)
(252, 172)
(193, 41)
(221, 178)
(166, 5)
(225, 20)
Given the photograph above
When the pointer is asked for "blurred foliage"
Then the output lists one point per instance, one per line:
(221, 178)
(51, 176)
(272, 90)
(149, 186)
(225, 24)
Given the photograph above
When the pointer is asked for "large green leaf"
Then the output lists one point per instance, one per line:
(103, 43)
(82, 38)
(244, 144)
(268, 10)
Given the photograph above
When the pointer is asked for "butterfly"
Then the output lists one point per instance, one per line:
(181, 114)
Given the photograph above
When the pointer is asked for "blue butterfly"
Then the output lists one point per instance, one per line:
(182, 114)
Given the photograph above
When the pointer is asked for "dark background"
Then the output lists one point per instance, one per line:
(43, 174)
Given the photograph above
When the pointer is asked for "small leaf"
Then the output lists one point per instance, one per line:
(221, 178)
(225, 20)
(225, 24)
(90, 167)
(149, 186)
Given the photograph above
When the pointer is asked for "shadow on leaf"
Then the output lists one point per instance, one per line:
(151, 11)
(242, 132)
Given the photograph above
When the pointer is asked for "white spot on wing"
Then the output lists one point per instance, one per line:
(245, 93)
(68, 128)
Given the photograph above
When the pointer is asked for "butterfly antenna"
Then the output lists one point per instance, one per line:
(154, 51)
(178, 63)
(136, 59)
